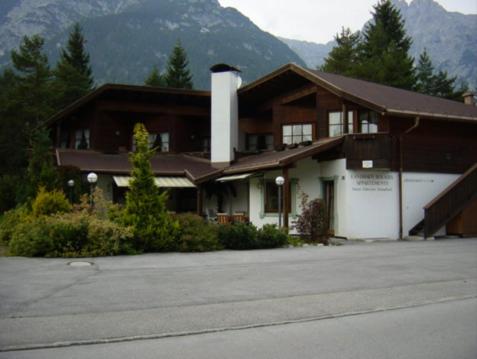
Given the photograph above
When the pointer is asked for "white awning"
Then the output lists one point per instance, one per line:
(234, 178)
(165, 182)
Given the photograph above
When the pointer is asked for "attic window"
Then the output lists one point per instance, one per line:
(336, 123)
(297, 133)
(368, 122)
(82, 139)
(257, 142)
(160, 141)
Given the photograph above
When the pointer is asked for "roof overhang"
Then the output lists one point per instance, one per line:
(234, 177)
(162, 182)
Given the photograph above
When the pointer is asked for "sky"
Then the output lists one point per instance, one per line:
(319, 20)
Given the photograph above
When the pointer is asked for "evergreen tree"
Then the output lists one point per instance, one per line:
(154, 79)
(424, 74)
(32, 94)
(440, 84)
(178, 74)
(384, 54)
(145, 209)
(343, 58)
(73, 74)
(25, 102)
(41, 171)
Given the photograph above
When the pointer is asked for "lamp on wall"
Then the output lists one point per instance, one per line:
(279, 181)
(92, 179)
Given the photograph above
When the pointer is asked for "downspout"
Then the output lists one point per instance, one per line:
(401, 169)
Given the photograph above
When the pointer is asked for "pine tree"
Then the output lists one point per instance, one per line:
(145, 209)
(384, 54)
(40, 171)
(343, 57)
(424, 74)
(440, 84)
(73, 74)
(178, 74)
(32, 94)
(154, 79)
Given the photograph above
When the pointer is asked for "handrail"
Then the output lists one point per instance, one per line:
(450, 202)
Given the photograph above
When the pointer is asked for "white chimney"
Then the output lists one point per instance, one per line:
(224, 126)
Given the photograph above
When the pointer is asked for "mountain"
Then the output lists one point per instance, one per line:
(311, 53)
(125, 38)
(449, 37)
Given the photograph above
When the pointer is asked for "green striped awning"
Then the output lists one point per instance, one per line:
(165, 182)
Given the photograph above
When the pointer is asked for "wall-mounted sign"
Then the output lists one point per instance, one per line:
(368, 164)
(365, 181)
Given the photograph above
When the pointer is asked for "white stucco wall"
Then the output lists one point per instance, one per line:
(366, 202)
(418, 190)
(372, 204)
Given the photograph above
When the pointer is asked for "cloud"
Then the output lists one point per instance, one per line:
(315, 20)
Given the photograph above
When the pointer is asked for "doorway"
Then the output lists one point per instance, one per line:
(329, 198)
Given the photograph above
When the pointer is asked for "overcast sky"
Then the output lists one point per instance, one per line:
(319, 20)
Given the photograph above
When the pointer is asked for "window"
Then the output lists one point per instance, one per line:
(82, 139)
(258, 142)
(159, 141)
(336, 123)
(271, 197)
(64, 139)
(206, 144)
(297, 133)
(368, 122)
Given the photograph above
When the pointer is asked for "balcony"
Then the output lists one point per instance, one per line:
(368, 151)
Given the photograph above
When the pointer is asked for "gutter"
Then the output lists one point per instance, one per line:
(401, 169)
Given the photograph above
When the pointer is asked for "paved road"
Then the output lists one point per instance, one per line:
(437, 331)
(46, 303)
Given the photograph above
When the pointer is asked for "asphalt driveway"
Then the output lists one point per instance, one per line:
(48, 303)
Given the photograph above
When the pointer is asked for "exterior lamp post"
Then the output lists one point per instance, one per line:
(71, 184)
(92, 179)
(279, 181)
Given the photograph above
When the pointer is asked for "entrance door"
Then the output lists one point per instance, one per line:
(329, 197)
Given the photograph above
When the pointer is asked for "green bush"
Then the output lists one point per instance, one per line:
(106, 238)
(70, 235)
(10, 220)
(238, 236)
(269, 236)
(196, 235)
(46, 203)
(32, 239)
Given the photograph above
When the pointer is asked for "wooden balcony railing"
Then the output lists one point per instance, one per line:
(450, 202)
(375, 147)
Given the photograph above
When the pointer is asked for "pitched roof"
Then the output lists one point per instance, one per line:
(196, 169)
(136, 93)
(275, 159)
(384, 99)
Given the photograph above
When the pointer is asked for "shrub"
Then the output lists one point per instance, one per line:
(269, 236)
(196, 235)
(312, 223)
(106, 238)
(70, 235)
(238, 236)
(32, 239)
(46, 203)
(10, 220)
